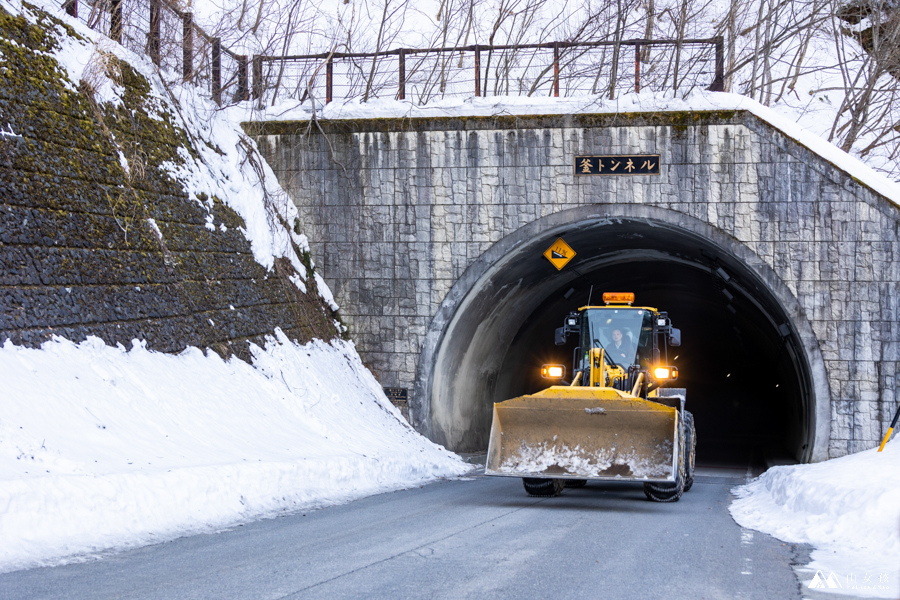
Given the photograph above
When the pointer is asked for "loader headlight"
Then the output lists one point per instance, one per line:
(666, 373)
(553, 371)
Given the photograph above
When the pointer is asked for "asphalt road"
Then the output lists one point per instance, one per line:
(475, 537)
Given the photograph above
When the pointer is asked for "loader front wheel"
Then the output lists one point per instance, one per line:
(691, 450)
(659, 492)
(543, 487)
(672, 492)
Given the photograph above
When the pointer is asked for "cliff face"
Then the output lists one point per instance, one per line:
(97, 237)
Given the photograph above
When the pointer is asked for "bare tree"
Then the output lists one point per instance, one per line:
(870, 79)
(815, 55)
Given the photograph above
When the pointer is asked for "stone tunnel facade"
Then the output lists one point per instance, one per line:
(406, 216)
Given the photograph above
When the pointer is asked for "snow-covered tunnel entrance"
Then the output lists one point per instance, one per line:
(774, 252)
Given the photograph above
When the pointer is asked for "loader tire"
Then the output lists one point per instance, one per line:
(662, 493)
(671, 492)
(576, 483)
(691, 450)
(543, 487)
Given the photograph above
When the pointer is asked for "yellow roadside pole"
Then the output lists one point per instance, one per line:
(890, 430)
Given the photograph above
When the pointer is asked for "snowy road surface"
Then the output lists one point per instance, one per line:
(478, 537)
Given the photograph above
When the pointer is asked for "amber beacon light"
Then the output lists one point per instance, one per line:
(618, 297)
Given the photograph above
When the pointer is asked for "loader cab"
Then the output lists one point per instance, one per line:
(636, 339)
(625, 333)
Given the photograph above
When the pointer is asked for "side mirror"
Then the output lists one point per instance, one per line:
(675, 337)
(560, 336)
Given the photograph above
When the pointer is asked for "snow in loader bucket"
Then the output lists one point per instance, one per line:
(584, 433)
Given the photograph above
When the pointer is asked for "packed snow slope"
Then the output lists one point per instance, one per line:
(848, 508)
(106, 447)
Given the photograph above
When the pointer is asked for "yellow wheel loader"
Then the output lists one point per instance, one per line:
(615, 421)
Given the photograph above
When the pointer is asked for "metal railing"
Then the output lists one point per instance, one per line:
(551, 69)
(178, 46)
(172, 41)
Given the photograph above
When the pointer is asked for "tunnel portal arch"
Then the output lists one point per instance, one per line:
(757, 376)
(410, 218)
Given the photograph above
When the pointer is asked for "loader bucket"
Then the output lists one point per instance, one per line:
(583, 433)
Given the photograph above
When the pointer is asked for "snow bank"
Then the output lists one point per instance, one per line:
(848, 508)
(104, 448)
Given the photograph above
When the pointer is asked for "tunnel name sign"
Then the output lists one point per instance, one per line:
(559, 254)
(397, 395)
(637, 164)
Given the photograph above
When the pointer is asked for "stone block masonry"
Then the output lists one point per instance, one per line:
(95, 239)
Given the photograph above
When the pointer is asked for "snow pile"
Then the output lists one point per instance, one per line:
(539, 459)
(105, 448)
(848, 508)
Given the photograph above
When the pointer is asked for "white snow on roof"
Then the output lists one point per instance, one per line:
(697, 101)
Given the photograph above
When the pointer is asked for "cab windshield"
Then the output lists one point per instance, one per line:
(624, 332)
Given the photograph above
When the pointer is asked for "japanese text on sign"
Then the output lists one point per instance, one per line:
(397, 395)
(643, 164)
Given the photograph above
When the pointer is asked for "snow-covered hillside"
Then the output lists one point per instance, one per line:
(109, 447)
(104, 448)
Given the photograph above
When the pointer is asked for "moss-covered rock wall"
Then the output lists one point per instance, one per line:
(80, 193)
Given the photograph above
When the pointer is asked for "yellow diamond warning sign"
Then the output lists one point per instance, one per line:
(560, 253)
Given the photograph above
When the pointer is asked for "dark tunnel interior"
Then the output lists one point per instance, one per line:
(740, 361)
